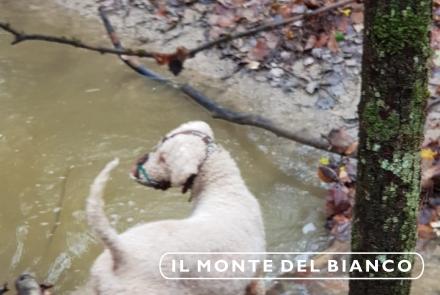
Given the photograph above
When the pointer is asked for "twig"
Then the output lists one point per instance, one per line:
(56, 223)
(22, 36)
(213, 108)
(60, 202)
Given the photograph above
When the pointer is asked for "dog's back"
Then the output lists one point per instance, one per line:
(226, 218)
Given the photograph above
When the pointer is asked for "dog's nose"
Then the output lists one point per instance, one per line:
(142, 160)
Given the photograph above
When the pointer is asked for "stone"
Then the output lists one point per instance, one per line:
(337, 59)
(298, 68)
(330, 79)
(290, 84)
(285, 55)
(337, 90)
(317, 52)
(276, 72)
(358, 27)
(351, 63)
(308, 228)
(308, 61)
(299, 9)
(260, 78)
(325, 101)
(298, 23)
(358, 41)
(253, 65)
(311, 87)
(275, 83)
(314, 71)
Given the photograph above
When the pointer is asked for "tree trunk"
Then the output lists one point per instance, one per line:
(392, 115)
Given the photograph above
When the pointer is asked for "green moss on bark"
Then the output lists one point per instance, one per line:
(391, 111)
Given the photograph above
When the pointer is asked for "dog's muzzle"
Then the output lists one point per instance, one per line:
(141, 176)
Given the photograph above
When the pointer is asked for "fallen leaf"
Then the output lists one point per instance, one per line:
(343, 175)
(272, 40)
(322, 40)
(324, 161)
(435, 38)
(162, 10)
(357, 17)
(260, 51)
(426, 232)
(226, 21)
(426, 215)
(352, 149)
(339, 36)
(343, 23)
(341, 228)
(288, 33)
(346, 11)
(311, 42)
(332, 43)
(428, 176)
(428, 154)
(311, 4)
(327, 174)
(340, 141)
(284, 10)
(338, 200)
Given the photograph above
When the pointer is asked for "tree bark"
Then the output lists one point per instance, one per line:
(392, 115)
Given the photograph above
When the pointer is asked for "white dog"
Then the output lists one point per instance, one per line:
(226, 217)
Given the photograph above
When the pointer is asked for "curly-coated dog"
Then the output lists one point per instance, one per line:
(226, 217)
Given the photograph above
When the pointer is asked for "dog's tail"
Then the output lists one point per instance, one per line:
(96, 217)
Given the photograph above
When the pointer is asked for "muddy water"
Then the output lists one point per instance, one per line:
(65, 113)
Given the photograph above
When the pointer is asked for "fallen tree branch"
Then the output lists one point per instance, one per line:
(217, 111)
(21, 37)
(180, 53)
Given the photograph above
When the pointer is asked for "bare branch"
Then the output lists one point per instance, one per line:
(219, 112)
(22, 37)
(180, 53)
(212, 107)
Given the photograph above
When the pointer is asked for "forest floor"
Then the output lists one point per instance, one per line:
(305, 76)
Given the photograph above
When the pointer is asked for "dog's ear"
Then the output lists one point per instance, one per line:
(183, 159)
(182, 169)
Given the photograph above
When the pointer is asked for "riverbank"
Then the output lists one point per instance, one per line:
(312, 91)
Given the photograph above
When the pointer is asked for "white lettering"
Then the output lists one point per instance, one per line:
(301, 267)
(332, 265)
(220, 268)
(206, 265)
(384, 265)
(407, 262)
(286, 266)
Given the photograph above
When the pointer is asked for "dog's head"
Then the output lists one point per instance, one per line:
(177, 158)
